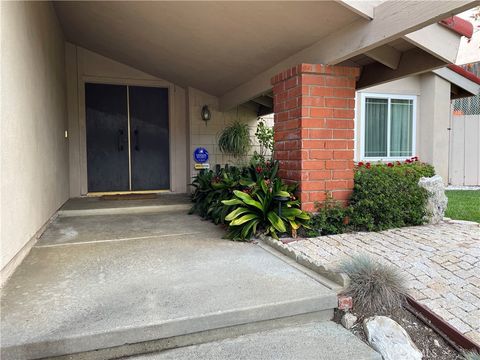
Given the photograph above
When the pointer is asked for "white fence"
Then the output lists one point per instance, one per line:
(464, 166)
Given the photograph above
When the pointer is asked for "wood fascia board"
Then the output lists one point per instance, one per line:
(458, 80)
(437, 40)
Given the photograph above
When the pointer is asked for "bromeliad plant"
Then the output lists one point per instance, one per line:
(256, 210)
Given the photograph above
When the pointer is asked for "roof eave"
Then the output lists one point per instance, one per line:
(470, 86)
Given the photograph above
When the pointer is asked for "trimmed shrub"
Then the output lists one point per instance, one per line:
(331, 218)
(387, 196)
(374, 287)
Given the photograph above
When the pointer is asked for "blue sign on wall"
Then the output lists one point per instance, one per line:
(200, 155)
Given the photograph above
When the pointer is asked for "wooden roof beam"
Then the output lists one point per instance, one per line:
(412, 62)
(385, 55)
(393, 19)
(363, 8)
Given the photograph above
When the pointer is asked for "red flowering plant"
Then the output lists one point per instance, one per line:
(263, 169)
(414, 161)
(247, 199)
(387, 195)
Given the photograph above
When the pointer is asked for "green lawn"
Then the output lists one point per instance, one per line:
(463, 205)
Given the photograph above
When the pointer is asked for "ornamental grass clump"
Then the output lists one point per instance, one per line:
(374, 287)
(471, 355)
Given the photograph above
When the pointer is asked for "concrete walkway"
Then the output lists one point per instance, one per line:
(128, 284)
(316, 341)
(441, 263)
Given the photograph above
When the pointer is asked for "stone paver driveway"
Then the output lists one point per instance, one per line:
(441, 263)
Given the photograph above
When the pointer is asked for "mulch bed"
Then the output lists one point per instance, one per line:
(432, 345)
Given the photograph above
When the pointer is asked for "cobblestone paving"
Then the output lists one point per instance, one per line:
(441, 263)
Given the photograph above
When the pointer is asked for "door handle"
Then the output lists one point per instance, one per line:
(120, 140)
(137, 140)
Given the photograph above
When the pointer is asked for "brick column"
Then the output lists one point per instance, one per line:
(314, 130)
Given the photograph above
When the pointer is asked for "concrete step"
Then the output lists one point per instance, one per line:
(319, 341)
(89, 206)
(107, 299)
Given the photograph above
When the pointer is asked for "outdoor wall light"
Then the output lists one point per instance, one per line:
(206, 114)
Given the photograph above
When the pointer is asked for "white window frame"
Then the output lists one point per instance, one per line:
(363, 97)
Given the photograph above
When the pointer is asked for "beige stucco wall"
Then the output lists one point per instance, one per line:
(433, 132)
(206, 135)
(86, 66)
(432, 116)
(34, 152)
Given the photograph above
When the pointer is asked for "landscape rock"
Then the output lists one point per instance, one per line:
(390, 339)
(437, 201)
(348, 320)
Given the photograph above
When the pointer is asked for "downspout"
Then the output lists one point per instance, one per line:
(450, 124)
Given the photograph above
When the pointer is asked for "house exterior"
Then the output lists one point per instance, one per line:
(94, 93)
(413, 117)
(464, 169)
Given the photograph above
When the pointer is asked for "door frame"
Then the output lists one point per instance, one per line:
(83, 123)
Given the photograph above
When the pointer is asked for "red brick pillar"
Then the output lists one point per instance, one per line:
(314, 129)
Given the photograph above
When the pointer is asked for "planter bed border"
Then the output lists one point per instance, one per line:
(434, 321)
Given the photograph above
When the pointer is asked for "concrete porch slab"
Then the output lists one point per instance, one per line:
(75, 229)
(314, 341)
(88, 295)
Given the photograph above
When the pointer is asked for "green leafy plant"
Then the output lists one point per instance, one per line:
(265, 137)
(257, 210)
(330, 218)
(387, 196)
(235, 140)
(374, 287)
(211, 188)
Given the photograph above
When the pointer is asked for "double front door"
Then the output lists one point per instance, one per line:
(127, 138)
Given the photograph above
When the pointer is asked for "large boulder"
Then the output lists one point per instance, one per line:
(390, 339)
(437, 200)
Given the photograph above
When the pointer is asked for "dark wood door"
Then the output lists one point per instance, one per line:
(149, 132)
(107, 137)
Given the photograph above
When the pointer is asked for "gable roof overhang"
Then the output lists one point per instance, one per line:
(464, 83)
(232, 49)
